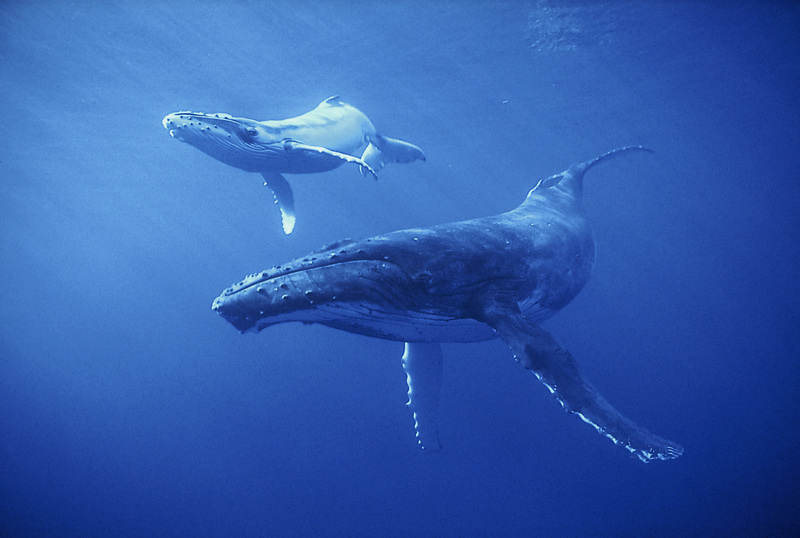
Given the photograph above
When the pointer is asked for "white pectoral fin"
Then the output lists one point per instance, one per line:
(283, 198)
(343, 156)
(382, 150)
(539, 352)
(423, 366)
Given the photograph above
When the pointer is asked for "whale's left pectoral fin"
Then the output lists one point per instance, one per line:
(316, 151)
(284, 199)
(423, 366)
(539, 352)
(382, 150)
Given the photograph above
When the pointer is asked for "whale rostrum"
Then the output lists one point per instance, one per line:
(467, 281)
(317, 141)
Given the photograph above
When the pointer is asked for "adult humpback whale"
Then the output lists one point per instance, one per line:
(317, 141)
(462, 282)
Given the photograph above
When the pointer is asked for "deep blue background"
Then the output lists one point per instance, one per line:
(127, 407)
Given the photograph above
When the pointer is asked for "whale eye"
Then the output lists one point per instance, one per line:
(423, 278)
(252, 132)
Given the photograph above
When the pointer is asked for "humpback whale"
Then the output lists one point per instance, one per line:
(317, 141)
(467, 281)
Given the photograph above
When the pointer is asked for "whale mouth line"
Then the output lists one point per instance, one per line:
(257, 279)
(276, 296)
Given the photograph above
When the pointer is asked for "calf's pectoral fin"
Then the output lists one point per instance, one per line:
(539, 352)
(382, 150)
(298, 146)
(283, 198)
(423, 366)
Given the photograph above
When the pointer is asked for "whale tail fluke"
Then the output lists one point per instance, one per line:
(382, 150)
(571, 180)
(583, 167)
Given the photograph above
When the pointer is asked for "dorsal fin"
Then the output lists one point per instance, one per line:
(333, 101)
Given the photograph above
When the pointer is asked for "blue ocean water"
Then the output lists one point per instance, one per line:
(128, 408)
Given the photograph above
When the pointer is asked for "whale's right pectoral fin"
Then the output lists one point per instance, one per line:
(382, 150)
(423, 366)
(539, 352)
(283, 198)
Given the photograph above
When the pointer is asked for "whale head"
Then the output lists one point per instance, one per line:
(365, 287)
(240, 142)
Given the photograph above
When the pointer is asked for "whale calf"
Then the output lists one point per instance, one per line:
(467, 281)
(317, 141)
